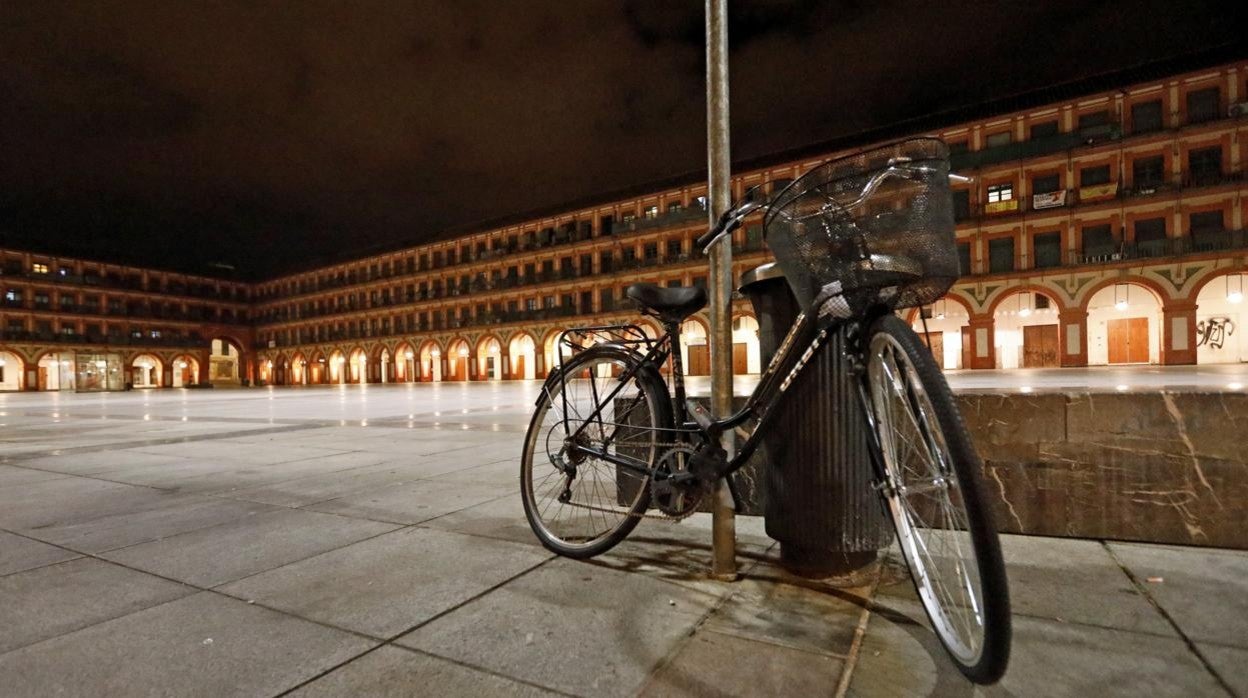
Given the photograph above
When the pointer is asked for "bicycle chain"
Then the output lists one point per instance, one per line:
(643, 515)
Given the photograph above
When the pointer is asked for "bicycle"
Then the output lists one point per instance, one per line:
(857, 239)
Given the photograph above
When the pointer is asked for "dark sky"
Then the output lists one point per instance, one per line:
(268, 135)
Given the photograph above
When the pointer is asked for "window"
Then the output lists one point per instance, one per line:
(778, 185)
(1092, 176)
(1146, 116)
(1044, 130)
(996, 140)
(1148, 172)
(1000, 192)
(650, 212)
(1150, 235)
(39, 268)
(1093, 120)
(1098, 241)
(1205, 165)
(1045, 184)
(1206, 221)
(961, 204)
(13, 296)
(1202, 105)
(1001, 255)
(673, 249)
(674, 207)
(1048, 250)
(964, 258)
(957, 147)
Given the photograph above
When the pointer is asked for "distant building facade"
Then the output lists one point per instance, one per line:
(1100, 230)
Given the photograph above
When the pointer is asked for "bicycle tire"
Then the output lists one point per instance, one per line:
(650, 385)
(902, 371)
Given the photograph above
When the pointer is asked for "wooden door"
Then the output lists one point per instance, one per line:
(968, 351)
(699, 360)
(518, 373)
(740, 359)
(1040, 346)
(43, 378)
(1128, 340)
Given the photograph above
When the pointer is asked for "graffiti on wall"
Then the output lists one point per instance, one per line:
(1213, 332)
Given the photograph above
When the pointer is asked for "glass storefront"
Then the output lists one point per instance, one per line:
(98, 372)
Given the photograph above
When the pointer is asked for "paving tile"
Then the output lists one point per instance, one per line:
(11, 476)
(1045, 570)
(212, 556)
(203, 645)
(712, 664)
(174, 516)
(248, 453)
(225, 475)
(569, 626)
(1231, 663)
(394, 671)
(71, 500)
(18, 553)
(1204, 591)
(310, 489)
(50, 601)
(413, 502)
(900, 656)
(105, 461)
(501, 518)
(807, 617)
(386, 585)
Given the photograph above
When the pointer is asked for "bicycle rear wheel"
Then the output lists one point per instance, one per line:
(933, 493)
(577, 504)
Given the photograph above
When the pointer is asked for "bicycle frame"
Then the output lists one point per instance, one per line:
(808, 334)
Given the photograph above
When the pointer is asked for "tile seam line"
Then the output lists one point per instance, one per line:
(390, 641)
(134, 445)
(860, 633)
(1191, 644)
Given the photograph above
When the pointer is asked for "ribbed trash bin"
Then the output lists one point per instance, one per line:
(817, 498)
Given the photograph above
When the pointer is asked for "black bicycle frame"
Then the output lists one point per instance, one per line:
(808, 334)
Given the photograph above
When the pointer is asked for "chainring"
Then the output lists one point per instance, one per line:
(676, 500)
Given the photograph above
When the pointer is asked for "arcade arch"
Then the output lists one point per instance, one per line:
(1222, 320)
(185, 370)
(522, 354)
(946, 330)
(489, 359)
(147, 371)
(1124, 325)
(1026, 329)
(12, 371)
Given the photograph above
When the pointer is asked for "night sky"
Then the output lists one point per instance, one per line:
(273, 136)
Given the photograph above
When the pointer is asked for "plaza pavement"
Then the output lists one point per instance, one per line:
(370, 541)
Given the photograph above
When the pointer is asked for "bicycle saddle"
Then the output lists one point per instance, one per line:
(670, 304)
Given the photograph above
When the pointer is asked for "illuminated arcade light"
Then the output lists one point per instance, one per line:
(1235, 386)
(410, 355)
(1023, 310)
(463, 351)
(1121, 388)
(1235, 295)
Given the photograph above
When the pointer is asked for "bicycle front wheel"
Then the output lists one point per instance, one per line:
(934, 495)
(600, 402)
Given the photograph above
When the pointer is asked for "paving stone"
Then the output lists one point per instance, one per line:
(901, 656)
(203, 645)
(413, 502)
(224, 553)
(570, 626)
(501, 518)
(104, 461)
(1231, 663)
(70, 500)
(1204, 591)
(56, 599)
(310, 489)
(397, 672)
(11, 476)
(225, 475)
(389, 584)
(811, 618)
(713, 664)
(18, 553)
(263, 454)
(176, 515)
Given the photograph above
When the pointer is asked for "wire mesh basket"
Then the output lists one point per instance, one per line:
(879, 223)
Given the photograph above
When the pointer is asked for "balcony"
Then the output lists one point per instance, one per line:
(663, 220)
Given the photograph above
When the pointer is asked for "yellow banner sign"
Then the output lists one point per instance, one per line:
(1099, 191)
(1001, 206)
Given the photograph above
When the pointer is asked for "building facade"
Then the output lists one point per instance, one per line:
(1102, 229)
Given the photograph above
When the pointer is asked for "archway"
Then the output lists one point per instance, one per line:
(430, 361)
(12, 371)
(1025, 330)
(746, 356)
(318, 369)
(1221, 320)
(337, 368)
(185, 370)
(385, 370)
(551, 352)
(56, 371)
(357, 366)
(694, 350)
(1124, 325)
(522, 353)
(457, 361)
(489, 359)
(404, 363)
(225, 362)
(147, 371)
(947, 330)
(298, 370)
